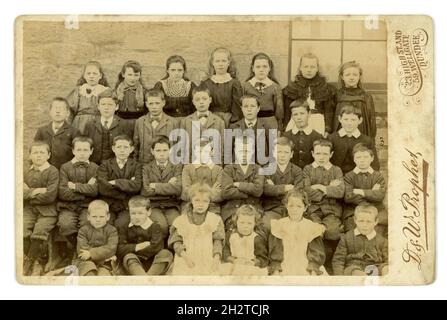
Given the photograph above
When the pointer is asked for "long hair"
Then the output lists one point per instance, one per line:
(102, 81)
(346, 65)
(135, 66)
(263, 56)
(231, 68)
(175, 59)
(308, 55)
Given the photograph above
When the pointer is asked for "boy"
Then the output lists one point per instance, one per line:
(205, 171)
(162, 184)
(362, 248)
(77, 188)
(286, 178)
(58, 134)
(151, 125)
(119, 178)
(39, 210)
(203, 119)
(140, 246)
(106, 127)
(241, 182)
(301, 134)
(97, 242)
(364, 184)
(347, 137)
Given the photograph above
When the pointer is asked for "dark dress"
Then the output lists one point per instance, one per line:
(177, 106)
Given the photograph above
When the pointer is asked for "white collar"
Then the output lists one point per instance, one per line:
(282, 168)
(76, 161)
(162, 164)
(356, 134)
(53, 127)
(208, 113)
(369, 170)
(221, 79)
(244, 167)
(370, 236)
(109, 120)
(209, 165)
(144, 226)
(292, 126)
(267, 82)
(118, 161)
(253, 121)
(42, 168)
(328, 166)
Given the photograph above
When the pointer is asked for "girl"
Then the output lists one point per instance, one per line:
(197, 236)
(301, 238)
(351, 91)
(310, 86)
(83, 100)
(130, 91)
(225, 89)
(263, 84)
(177, 88)
(247, 249)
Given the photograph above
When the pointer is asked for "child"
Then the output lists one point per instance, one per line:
(39, 210)
(83, 100)
(364, 184)
(58, 134)
(119, 178)
(77, 188)
(250, 250)
(129, 90)
(162, 184)
(347, 137)
(155, 123)
(204, 171)
(351, 91)
(241, 182)
(225, 89)
(362, 248)
(263, 84)
(177, 88)
(97, 242)
(203, 119)
(301, 134)
(104, 128)
(197, 236)
(300, 238)
(286, 178)
(140, 246)
(310, 86)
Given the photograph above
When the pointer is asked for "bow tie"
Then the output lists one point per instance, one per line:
(158, 119)
(132, 88)
(260, 87)
(81, 164)
(202, 115)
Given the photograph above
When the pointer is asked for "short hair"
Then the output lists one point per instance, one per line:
(201, 88)
(309, 55)
(203, 142)
(160, 140)
(40, 143)
(199, 188)
(60, 99)
(367, 208)
(154, 92)
(98, 204)
(300, 104)
(323, 143)
(296, 193)
(122, 137)
(82, 139)
(349, 108)
(361, 147)
(250, 96)
(247, 210)
(108, 93)
(139, 202)
(284, 141)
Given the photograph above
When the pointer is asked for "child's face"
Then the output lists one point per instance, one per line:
(200, 203)
(205, 153)
(131, 77)
(161, 152)
(201, 101)
(155, 105)
(245, 224)
(322, 155)
(92, 75)
(58, 111)
(243, 152)
(350, 122)
(301, 117)
(365, 222)
(98, 218)
(176, 71)
(261, 69)
(107, 107)
(351, 77)
(39, 155)
(283, 154)
(122, 149)
(363, 159)
(309, 68)
(221, 63)
(296, 208)
(250, 109)
(138, 215)
(82, 151)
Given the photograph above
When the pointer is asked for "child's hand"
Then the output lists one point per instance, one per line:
(112, 182)
(71, 185)
(92, 180)
(132, 179)
(85, 255)
(172, 180)
(326, 134)
(320, 187)
(38, 191)
(376, 186)
(359, 192)
(335, 183)
(188, 260)
(270, 182)
(236, 184)
(141, 246)
(288, 187)
(152, 186)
